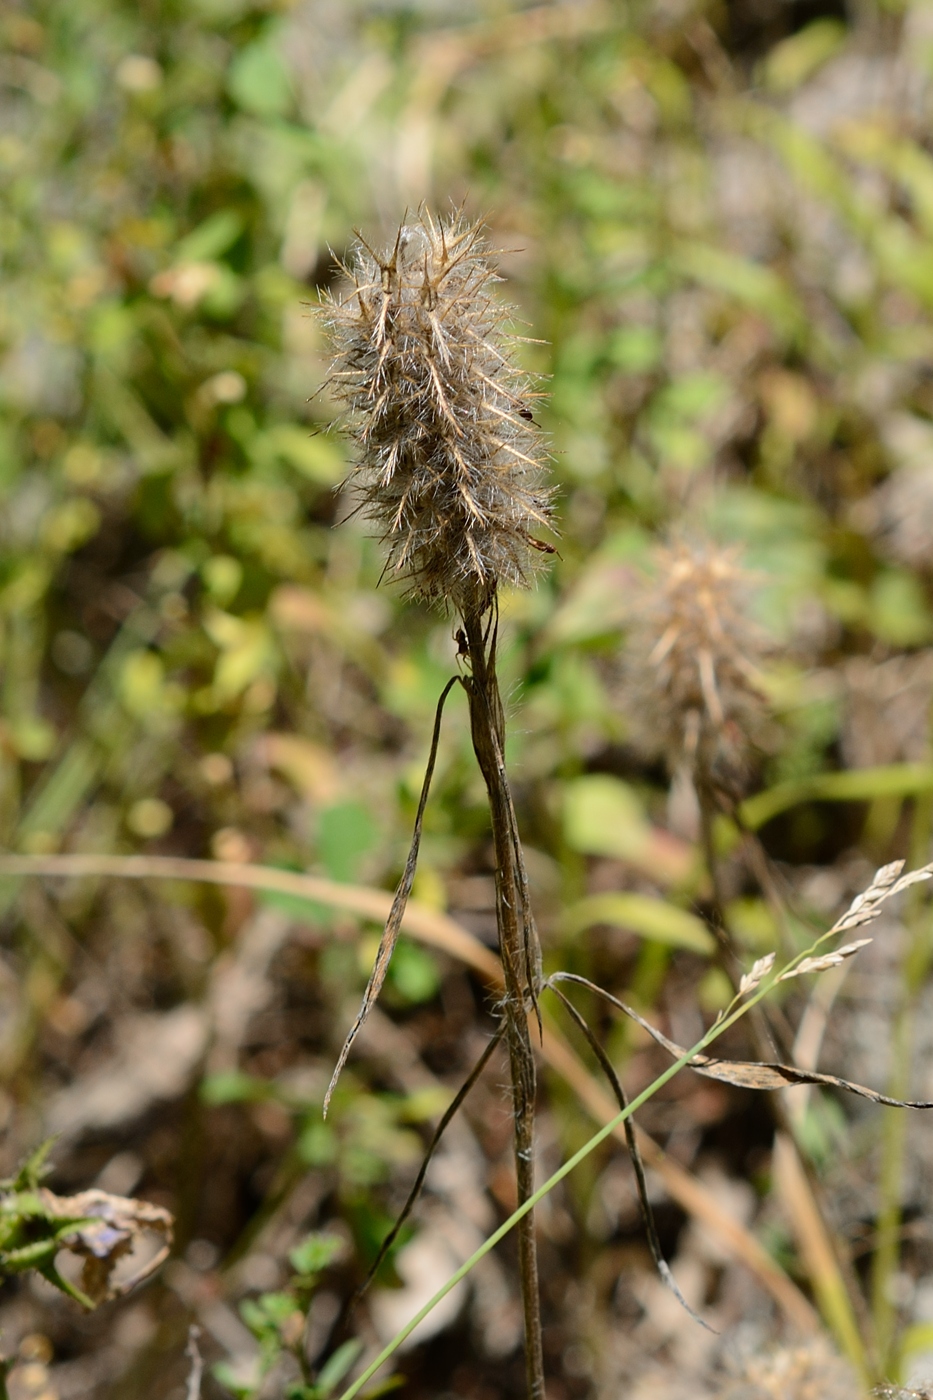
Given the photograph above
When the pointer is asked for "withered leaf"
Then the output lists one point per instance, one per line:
(641, 1184)
(399, 904)
(744, 1074)
(107, 1228)
(752, 1074)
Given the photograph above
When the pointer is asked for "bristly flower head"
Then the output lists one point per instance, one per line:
(692, 686)
(449, 463)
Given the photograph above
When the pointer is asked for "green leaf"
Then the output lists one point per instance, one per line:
(692, 395)
(853, 785)
(317, 1144)
(413, 972)
(315, 1253)
(258, 80)
(233, 1086)
(898, 612)
(635, 349)
(345, 834)
(916, 1340)
(794, 60)
(231, 1376)
(316, 456)
(751, 283)
(604, 817)
(33, 738)
(212, 238)
(640, 913)
(337, 1366)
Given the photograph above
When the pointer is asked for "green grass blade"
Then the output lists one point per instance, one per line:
(853, 785)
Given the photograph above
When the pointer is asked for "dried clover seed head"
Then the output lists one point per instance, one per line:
(449, 464)
(691, 683)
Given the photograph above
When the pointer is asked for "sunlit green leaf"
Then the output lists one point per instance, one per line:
(853, 785)
(638, 913)
(794, 60)
(258, 80)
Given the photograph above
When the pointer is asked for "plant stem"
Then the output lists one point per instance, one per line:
(517, 945)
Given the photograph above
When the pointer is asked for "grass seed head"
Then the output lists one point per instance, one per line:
(691, 683)
(449, 464)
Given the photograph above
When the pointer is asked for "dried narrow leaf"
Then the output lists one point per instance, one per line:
(826, 961)
(447, 1118)
(106, 1228)
(394, 922)
(744, 1074)
(751, 1074)
(631, 1142)
(760, 969)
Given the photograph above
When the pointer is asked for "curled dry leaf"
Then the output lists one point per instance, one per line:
(760, 969)
(826, 960)
(106, 1228)
(753, 1074)
(744, 1074)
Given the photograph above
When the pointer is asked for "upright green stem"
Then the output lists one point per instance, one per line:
(519, 962)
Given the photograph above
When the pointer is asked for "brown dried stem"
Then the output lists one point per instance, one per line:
(518, 949)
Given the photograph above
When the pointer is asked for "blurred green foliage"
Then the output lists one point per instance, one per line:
(721, 242)
(728, 293)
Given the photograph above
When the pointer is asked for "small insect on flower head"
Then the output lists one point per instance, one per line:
(449, 462)
(691, 684)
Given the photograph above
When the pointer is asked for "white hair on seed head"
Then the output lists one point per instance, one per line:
(449, 465)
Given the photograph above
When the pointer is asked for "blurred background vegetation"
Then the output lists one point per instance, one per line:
(716, 222)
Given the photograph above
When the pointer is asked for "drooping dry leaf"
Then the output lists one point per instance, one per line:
(752, 1074)
(744, 1074)
(399, 904)
(641, 1184)
(108, 1227)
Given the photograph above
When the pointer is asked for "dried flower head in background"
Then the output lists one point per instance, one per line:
(886, 709)
(692, 688)
(449, 463)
